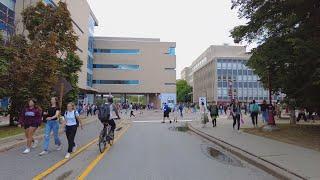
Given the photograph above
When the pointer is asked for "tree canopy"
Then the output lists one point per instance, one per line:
(183, 91)
(33, 64)
(288, 38)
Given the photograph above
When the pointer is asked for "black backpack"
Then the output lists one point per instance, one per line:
(104, 113)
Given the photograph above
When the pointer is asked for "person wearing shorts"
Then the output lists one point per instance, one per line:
(166, 112)
(30, 120)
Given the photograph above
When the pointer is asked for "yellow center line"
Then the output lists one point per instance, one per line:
(93, 163)
(63, 161)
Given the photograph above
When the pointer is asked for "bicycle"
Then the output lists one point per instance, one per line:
(105, 137)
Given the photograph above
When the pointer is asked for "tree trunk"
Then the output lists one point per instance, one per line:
(11, 122)
(293, 116)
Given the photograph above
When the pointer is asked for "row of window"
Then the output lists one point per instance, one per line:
(235, 72)
(240, 84)
(117, 66)
(130, 82)
(117, 51)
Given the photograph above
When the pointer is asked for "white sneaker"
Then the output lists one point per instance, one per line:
(74, 148)
(26, 151)
(43, 153)
(59, 148)
(67, 156)
(35, 144)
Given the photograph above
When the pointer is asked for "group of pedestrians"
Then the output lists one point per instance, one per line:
(32, 116)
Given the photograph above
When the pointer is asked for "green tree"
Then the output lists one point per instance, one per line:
(288, 37)
(33, 64)
(183, 91)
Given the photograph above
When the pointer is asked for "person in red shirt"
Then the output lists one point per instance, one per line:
(30, 120)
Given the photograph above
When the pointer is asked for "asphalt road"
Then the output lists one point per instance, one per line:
(148, 150)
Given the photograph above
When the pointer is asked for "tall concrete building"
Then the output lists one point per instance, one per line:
(84, 21)
(220, 74)
(139, 66)
(186, 75)
(7, 16)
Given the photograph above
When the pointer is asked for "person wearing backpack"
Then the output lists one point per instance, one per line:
(254, 110)
(235, 108)
(108, 113)
(72, 121)
(214, 113)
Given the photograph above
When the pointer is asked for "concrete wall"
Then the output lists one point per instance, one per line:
(152, 60)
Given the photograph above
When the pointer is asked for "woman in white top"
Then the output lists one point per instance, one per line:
(72, 121)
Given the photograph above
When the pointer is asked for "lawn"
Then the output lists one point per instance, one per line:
(307, 136)
(6, 131)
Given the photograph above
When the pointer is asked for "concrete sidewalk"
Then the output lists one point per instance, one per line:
(298, 160)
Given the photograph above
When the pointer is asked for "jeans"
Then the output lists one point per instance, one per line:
(236, 120)
(52, 125)
(254, 118)
(71, 133)
(265, 116)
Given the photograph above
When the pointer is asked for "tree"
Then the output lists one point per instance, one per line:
(183, 91)
(33, 64)
(288, 37)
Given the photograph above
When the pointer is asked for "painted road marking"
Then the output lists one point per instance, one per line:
(159, 121)
(64, 161)
(99, 157)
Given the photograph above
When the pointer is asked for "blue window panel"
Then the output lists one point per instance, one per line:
(89, 79)
(127, 82)
(234, 72)
(220, 84)
(90, 63)
(49, 2)
(117, 66)
(171, 51)
(169, 69)
(245, 84)
(117, 51)
(219, 72)
(245, 72)
(225, 84)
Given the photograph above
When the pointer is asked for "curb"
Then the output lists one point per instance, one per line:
(7, 146)
(270, 167)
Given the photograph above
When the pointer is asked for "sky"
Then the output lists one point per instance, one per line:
(193, 24)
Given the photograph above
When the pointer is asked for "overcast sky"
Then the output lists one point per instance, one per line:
(193, 25)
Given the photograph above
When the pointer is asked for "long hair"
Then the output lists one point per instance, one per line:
(34, 100)
(56, 99)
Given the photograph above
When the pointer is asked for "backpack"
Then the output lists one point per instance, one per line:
(255, 108)
(104, 113)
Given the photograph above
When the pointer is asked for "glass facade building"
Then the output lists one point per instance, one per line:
(90, 51)
(7, 16)
(235, 79)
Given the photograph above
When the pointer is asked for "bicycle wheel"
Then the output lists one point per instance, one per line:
(102, 142)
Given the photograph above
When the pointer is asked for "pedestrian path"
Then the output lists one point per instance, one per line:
(302, 161)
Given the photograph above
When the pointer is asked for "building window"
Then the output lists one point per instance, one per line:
(117, 66)
(89, 80)
(127, 82)
(170, 84)
(169, 69)
(117, 51)
(90, 63)
(171, 51)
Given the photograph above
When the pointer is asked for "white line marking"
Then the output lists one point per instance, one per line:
(159, 121)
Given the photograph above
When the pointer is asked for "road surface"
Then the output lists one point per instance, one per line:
(145, 149)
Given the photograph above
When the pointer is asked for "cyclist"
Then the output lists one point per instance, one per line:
(112, 116)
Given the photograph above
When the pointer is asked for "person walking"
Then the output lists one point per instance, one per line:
(181, 110)
(254, 111)
(264, 111)
(89, 110)
(236, 113)
(166, 112)
(302, 114)
(30, 120)
(72, 121)
(175, 113)
(131, 110)
(204, 115)
(52, 124)
(214, 113)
